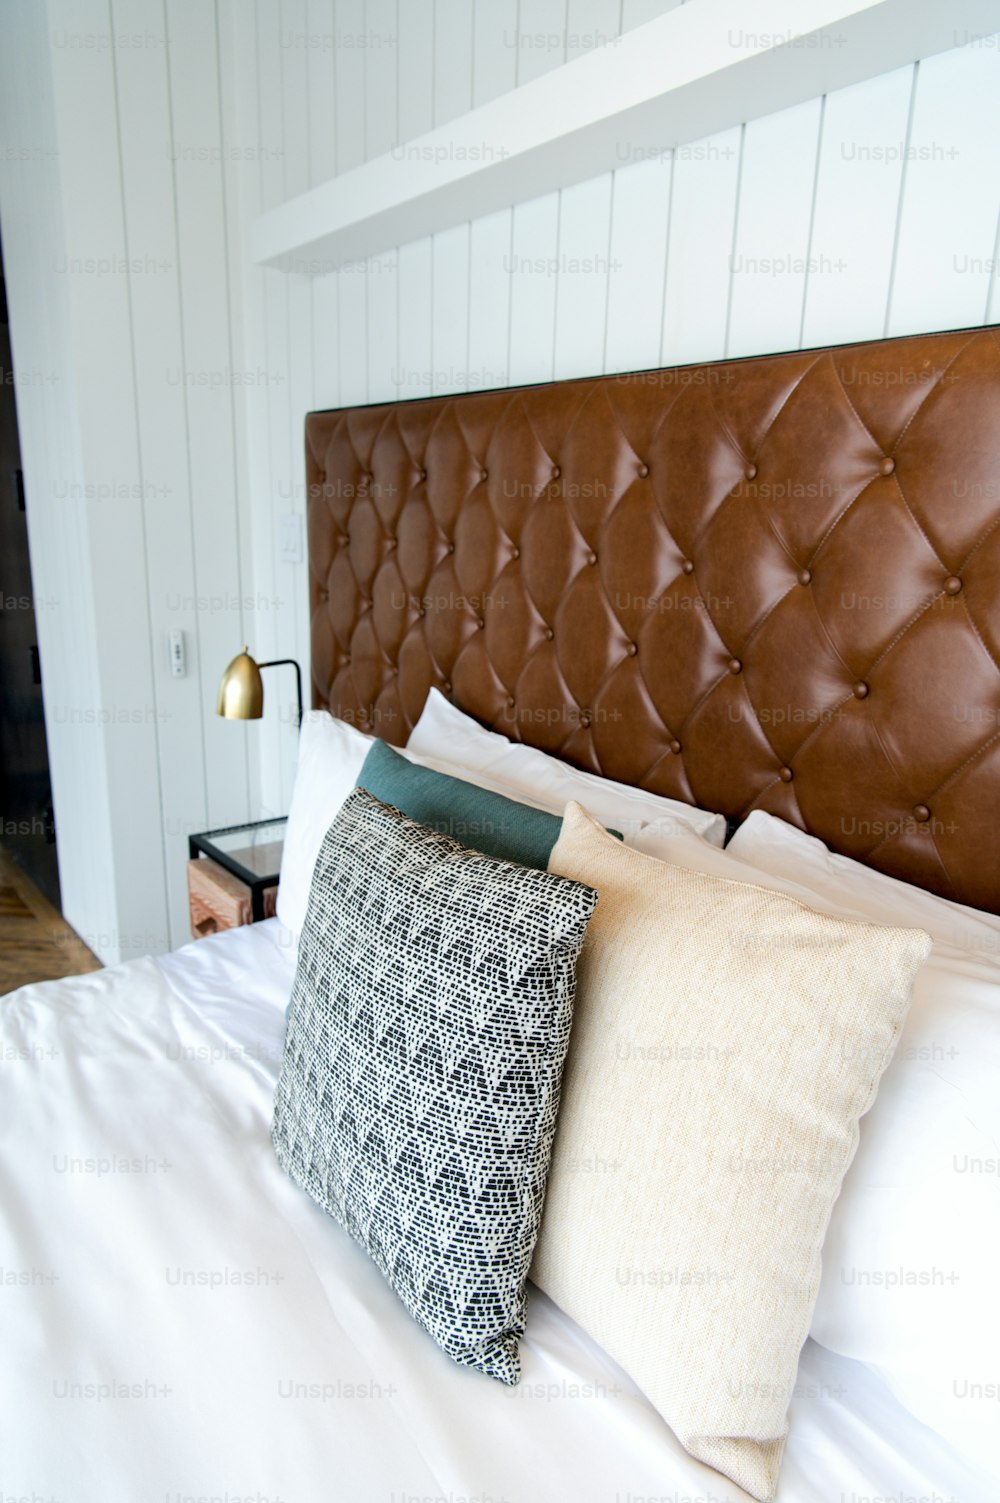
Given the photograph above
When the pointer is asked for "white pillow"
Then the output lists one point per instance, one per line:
(331, 755)
(910, 1260)
(443, 730)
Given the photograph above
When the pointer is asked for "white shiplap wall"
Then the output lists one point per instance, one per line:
(120, 250)
(872, 211)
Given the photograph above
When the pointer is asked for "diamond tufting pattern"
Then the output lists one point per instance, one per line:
(770, 583)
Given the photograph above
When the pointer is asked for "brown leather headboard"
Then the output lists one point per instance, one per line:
(763, 584)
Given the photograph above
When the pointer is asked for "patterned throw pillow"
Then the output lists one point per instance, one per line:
(426, 1036)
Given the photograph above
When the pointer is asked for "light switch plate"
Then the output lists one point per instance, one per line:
(290, 546)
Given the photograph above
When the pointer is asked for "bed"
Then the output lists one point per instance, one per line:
(767, 588)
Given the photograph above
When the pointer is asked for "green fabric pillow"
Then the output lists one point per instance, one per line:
(488, 822)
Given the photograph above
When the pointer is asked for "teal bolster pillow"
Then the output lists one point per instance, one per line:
(488, 822)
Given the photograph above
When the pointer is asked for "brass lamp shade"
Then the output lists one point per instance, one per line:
(241, 692)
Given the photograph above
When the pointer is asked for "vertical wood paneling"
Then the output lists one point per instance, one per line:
(857, 204)
(450, 330)
(532, 266)
(590, 24)
(158, 353)
(349, 84)
(494, 60)
(353, 333)
(638, 264)
(541, 38)
(416, 71)
(382, 63)
(582, 277)
(294, 632)
(270, 631)
(771, 248)
(270, 133)
(416, 303)
(951, 193)
(326, 339)
(452, 59)
(383, 326)
(321, 71)
(125, 712)
(702, 215)
(208, 378)
(489, 300)
(236, 51)
(295, 96)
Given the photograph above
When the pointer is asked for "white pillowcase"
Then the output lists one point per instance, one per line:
(443, 730)
(910, 1260)
(331, 755)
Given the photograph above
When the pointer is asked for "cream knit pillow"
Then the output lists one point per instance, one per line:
(726, 1041)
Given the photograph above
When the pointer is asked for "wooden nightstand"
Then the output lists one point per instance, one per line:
(233, 875)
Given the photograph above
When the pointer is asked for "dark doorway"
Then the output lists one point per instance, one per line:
(27, 827)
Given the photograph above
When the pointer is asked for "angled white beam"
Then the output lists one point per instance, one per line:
(688, 74)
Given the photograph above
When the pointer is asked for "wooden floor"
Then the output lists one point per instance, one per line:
(36, 943)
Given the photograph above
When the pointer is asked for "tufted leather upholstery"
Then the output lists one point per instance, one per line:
(770, 583)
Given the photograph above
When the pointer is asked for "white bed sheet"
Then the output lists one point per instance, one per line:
(180, 1321)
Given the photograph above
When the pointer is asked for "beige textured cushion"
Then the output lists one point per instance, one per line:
(726, 1041)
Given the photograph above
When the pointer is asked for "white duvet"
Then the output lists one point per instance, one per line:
(180, 1322)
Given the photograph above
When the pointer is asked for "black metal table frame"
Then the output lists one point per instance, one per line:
(201, 845)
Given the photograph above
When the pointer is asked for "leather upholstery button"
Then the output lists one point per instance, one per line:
(805, 576)
(324, 594)
(446, 686)
(751, 472)
(644, 470)
(735, 666)
(786, 774)
(953, 585)
(887, 466)
(484, 474)
(921, 813)
(423, 474)
(631, 649)
(585, 720)
(549, 633)
(422, 611)
(591, 558)
(556, 472)
(390, 543)
(687, 566)
(451, 547)
(860, 690)
(510, 702)
(480, 624)
(675, 747)
(346, 661)
(515, 553)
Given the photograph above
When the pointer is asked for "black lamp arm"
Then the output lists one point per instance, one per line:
(289, 663)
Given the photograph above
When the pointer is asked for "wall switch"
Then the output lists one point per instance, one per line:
(291, 551)
(178, 657)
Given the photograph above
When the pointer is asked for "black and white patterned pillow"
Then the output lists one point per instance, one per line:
(426, 1037)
